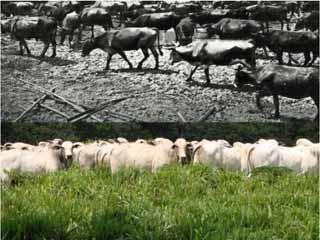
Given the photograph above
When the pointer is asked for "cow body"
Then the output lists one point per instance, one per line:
(70, 23)
(217, 52)
(292, 42)
(47, 159)
(142, 156)
(216, 155)
(275, 80)
(229, 28)
(161, 21)
(117, 41)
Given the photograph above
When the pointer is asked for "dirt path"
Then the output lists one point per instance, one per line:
(161, 94)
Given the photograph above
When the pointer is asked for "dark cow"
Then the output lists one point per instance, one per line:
(117, 41)
(185, 30)
(133, 14)
(17, 8)
(269, 13)
(229, 28)
(275, 80)
(183, 9)
(311, 21)
(161, 21)
(206, 17)
(292, 42)
(114, 8)
(95, 16)
(213, 52)
(42, 28)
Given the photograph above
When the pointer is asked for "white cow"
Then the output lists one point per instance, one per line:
(217, 155)
(143, 156)
(185, 150)
(49, 159)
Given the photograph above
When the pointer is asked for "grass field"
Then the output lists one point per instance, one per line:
(177, 202)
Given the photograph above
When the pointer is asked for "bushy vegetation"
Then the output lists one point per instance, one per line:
(189, 202)
(245, 132)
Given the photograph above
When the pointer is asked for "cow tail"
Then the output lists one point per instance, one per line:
(159, 47)
(249, 163)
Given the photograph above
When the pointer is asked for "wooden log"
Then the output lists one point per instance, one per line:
(181, 117)
(207, 114)
(55, 111)
(91, 111)
(35, 103)
(75, 106)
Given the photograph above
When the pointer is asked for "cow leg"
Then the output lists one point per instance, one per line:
(156, 56)
(46, 46)
(290, 58)
(123, 55)
(63, 36)
(206, 72)
(265, 51)
(145, 56)
(307, 58)
(267, 25)
(314, 57)
(316, 101)
(279, 56)
(258, 100)
(108, 61)
(92, 31)
(54, 48)
(71, 38)
(21, 48)
(80, 32)
(276, 105)
(26, 46)
(191, 73)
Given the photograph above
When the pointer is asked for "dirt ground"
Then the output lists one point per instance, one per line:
(156, 95)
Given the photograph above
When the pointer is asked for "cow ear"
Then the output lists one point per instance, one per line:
(174, 146)
(7, 146)
(77, 144)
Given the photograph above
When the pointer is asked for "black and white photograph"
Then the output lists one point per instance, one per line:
(172, 119)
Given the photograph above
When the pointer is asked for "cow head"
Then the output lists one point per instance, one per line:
(87, 48)
(299, 25)
(174, 56)
(185, 150)
(244, 76)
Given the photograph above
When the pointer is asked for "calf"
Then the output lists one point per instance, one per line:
(42, 28)
(291, 42)
(310, 21)
(275, 80)
(117, 41)
(217, 52)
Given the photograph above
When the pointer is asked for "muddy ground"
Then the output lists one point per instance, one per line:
(156, 95)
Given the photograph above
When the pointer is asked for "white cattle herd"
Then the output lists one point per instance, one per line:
(54, 155)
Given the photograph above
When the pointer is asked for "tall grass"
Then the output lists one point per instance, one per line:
(177, 202)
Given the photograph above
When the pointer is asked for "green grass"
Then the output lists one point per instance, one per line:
(175, 203)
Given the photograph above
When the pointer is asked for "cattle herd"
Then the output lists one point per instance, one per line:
(56, 154)
(235, 30)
